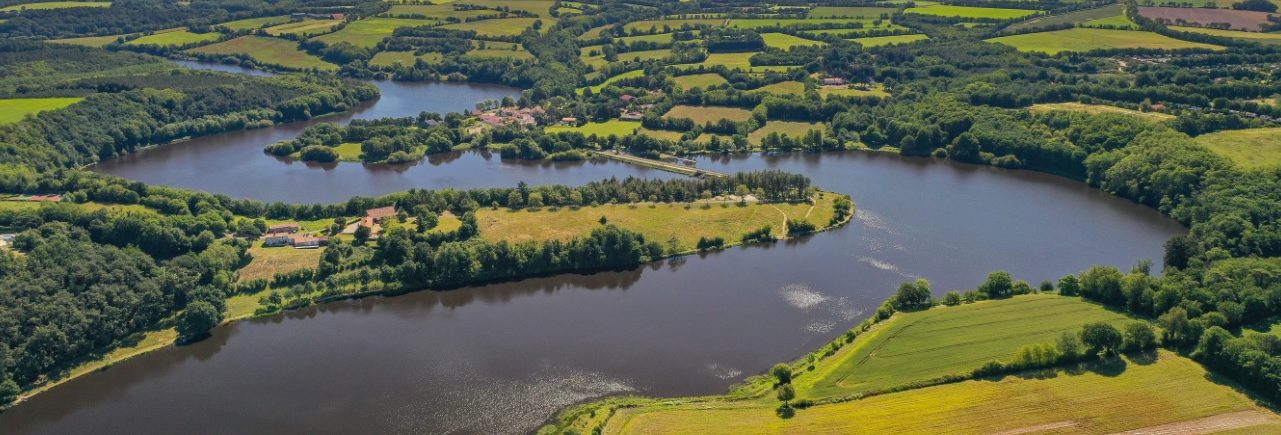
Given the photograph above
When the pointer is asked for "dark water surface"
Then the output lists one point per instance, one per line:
(234, 164)
(503, 358)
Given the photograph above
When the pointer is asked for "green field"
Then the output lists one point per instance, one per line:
(269, 261)
(1171, 395)
(970, 12)
(1077, 17)
(755, 23)
(268, 51)
(877, 41)
(407, 58)
(784, 41)
(791, 129)
(369, 31)
(700, 80)
(542, 8)
(1099, 108)
(641, 56)
(730, 60)
(668, 135)
(495, 53)
(615, 78)
(254, 23)
(851, 32)
(88, 41)
(602, 129)
(593, 33)
(55, 5)
(849, 11)
(659, 38)
(499, 27)
(793, 88)
(877, 90)
(1265, 38)
(1254, 148)
(705, 114)
(15, 109)
(437, 12)
(660, 222)
(1080, 40)
(665, 26)
(176, 38)
(303, 28)
(925, 345)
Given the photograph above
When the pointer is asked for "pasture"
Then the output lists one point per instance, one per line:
(303, 28)
(699, 80)
(15, 109)
(641, 56)
(849, 12)
(730, 60)
(369, 32)
(668, 135)
(706, 114)
(498, 27)
(542, 8)
(1082, 40)
(176, 38)
(88, 41)
(499, 53)
(602, 129)
(435, 12)
(867, 28)
(755, 23)
(406, 58)
(657, 38)
(877, 41)
(925, 345)
(784, 41)
(1100, 108)
(1253, 148)
(253, 23)
(790, 87)
(267, 51)
(267, 262)
(666, 26)
(615, 78)
(1167, 394)
(658, 222)
(54, 5)
(970, 12)
(790, 129)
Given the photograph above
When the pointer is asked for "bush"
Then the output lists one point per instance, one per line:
(1139, 336)
(318, 153)
(952, 298)
(1101, 337)
(799, 227)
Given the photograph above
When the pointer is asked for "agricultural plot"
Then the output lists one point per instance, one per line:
(1254, 148)
(267, 51)
(1074, 18)
(1263, 38)
(601, 129)
(88, 41)
(877, 41)
(254, 23)
(406, 58)
(852, 32)
(1112, 22)
(783, 88)
(784, 41)
(303, 28)
(593, 33)
(369, 32)
(1168, 394)
(667, 135)
(1099, 108)
(791, 129)
(729, 60)
(850, 12)
(641, 56)
(54, 5)
(1235, 19)
(706, 114)
(15, 109)
(498, 27)
(267, 262)
(1081, 40)
(176, 38)
(615, 78)
(542, 8)
(970, 12)
(925, 345)
(699, 80)
(435, 12)
(667, 26)
(755, 23)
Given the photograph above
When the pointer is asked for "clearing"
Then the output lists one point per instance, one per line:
(790, 87)
(15, 109)
(267, 262)
(176, 38)
(406, 58)
(303, 28)
(55, 5)
(1254, 148)
(1081, 40)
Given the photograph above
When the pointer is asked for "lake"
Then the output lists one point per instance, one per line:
(503, 358)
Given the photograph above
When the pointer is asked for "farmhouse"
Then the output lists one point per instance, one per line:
(307, 242)
(376, 216)
(275, 240)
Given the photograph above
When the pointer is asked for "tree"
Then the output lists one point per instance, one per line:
(952, 298)
(1069, 345)
(1101, 337)
(362, 234)
(1069, 286)
(1139, 336)
(515, 200)
(198, 319)
(913, 295)
(782, 373)
(999, 284)
(9, 391)
(786, 392)
(1176, 326)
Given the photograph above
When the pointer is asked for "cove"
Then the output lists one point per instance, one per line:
(234, 164)
(503, 358)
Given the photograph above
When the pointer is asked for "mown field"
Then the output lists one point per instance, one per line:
(369, 32)
(658, 222)
(15, 109)
(790, 87)
(88, 41)
(1254, 148)
(877, 41)
(1082, 40)
(603, 129)
(267, 262)
(970, 12)
(176, 38)
(270, 51)
(1167, 395)
(699, 80)
(1099, 108)
(784, 41)
(55, 5)
(705, 114)
(925, 345)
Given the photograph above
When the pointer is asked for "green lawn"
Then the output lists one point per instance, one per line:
(1080, 40)
(602, 129)
(303, 28)
(270, 51)
(15, 109)
(705, 114)
(407, 58)
(793, 88)
(925, 345)
(970, 12)
(369, 32)
(254, 23)
(699, 80)
(877, 41)
(784, 41)
(499, 27)
(1254, 148)
(176, 38)
(791, 129)
(55, 5)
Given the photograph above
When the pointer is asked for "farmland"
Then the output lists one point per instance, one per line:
(88, 41)
(699, 80)
(1236, 19)
(254, 23)
(1099, 108)
(369, 31)
(755, 23)
(176, 38)
(868, 28)
(602, 129)
(705, 114)
(666, 26)
(14, 109)
(55, 5)
(730, 60)
(857, 91)
(436, 12)
(269, 261)
(877, 41)
(784, 41)
(269, 51)
(970, 12)
(1076, 18)
(388, 58)
(783, 88)
(849, 11)
(1265, 38)
(497, 27)
(791, 129)
(1255, 148)
(1084, 40)
(622, 76)
(303, 27)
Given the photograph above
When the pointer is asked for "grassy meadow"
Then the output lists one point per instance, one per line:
(254, 23)
(791, 129)
(498, 27)
(790, 87)
(849, 11)
(705, 114)
(269, 261)
(269, 51)
(665, 26)
(1264, 38)
(303, 28)
(877, 41)
(1253, 148)
(876, 90)
(615, 78)
(603, 129)
(88, 41)
(15, 109)
(699, 80)
(176, 38)
(970, 12)
(1099, 108)
(369, 32)
(1076, 17)
(407, 58)
(784, 41)
(1081, 40)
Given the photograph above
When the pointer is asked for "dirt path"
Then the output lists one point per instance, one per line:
(1212, 424)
